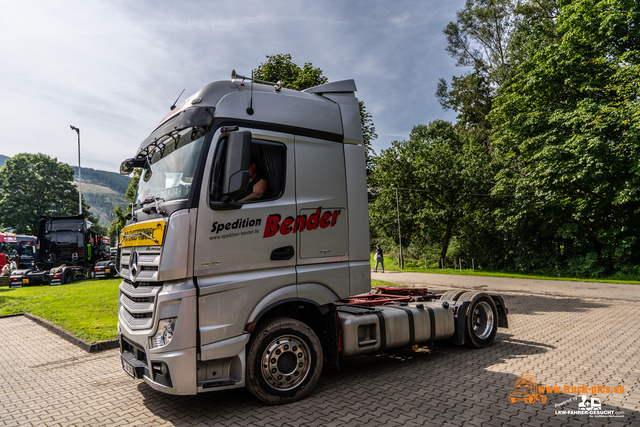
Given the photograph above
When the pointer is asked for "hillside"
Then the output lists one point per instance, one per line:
(103, 191)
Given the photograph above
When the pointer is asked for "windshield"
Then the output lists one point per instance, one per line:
(9, 248)
(172, 165)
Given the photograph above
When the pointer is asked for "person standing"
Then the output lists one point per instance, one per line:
(379, 258)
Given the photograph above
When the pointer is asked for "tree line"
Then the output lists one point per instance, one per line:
(541, 171)
(36, 185)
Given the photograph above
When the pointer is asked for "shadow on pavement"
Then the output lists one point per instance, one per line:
(539, 304)
(429, 386)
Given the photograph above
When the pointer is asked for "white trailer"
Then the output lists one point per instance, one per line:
(248, 242)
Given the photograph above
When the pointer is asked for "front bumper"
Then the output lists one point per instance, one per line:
(172, 368)
(172, 372)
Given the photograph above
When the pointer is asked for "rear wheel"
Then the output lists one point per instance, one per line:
(482, 319)
(284, 361)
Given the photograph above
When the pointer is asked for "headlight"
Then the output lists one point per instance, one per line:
(164, 334)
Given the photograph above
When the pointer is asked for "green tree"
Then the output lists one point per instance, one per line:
(120, 221)
(479, 38)
(368, 135)
(439, 175)
(280, 68)
(568, 132)
(35, 185)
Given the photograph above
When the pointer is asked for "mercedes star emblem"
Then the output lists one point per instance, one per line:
(134, 269)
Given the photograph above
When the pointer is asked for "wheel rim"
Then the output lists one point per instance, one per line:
(482, 320)
(286, 362)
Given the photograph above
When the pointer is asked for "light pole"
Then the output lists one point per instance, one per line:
(399, 233)
(79, 172)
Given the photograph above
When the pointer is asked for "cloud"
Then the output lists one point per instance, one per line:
(114, 68)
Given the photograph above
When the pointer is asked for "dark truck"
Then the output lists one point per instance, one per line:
(105, 268)
(67, 250)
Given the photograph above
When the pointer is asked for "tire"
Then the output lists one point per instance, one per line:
(481, 324)
(451, 295)
(542, 398)
(296, 367)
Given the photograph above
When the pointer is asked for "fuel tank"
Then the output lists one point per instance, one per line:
(372, 329)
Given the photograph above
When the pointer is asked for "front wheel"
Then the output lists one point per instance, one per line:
(284, 361)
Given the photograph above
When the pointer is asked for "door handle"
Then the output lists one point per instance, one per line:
(282, 254)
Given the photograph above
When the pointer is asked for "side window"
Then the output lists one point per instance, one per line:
(218, 170)
(267, 172)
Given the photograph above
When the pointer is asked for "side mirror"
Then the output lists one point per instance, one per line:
(130, 164)
(236, 171)
(126, 167)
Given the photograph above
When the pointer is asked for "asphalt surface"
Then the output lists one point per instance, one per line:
(563, 334)
(504, 285)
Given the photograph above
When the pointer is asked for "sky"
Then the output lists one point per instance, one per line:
(113, 68)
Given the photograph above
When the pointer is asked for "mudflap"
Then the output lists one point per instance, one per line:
(460, 319)
(333, 337)
(503, 322)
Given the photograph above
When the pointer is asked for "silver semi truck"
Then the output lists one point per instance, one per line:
(245, 259)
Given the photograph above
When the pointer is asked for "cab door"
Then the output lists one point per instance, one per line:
(237, 260)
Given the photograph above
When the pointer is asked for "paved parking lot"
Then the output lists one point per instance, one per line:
(562, 340)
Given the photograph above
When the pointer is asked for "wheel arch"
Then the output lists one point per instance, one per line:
(310, 295)
(310, 304)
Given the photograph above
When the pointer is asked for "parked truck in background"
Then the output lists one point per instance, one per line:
(226, 287)
(105, 267)
(27, 252)
(67, 249)
(8, 248)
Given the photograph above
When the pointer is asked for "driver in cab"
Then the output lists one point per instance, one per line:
(257, 183)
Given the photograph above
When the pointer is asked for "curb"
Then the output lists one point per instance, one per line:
(68, 336)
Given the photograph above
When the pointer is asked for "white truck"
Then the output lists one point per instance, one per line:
(245, 259)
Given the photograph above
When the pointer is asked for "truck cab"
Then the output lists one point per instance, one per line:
(203, 265)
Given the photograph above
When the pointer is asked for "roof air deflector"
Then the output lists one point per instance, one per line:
(341, 86)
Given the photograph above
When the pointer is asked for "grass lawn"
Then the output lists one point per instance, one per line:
(391, 264)
(88, 309)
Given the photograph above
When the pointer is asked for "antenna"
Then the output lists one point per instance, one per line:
(250, 109)
(173, 107)
(234, 76)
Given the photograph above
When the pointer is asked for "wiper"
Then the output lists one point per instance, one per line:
(156, 207)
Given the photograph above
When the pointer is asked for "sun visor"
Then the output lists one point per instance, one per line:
(197, 116)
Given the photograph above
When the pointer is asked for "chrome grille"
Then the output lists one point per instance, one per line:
(141, 323)
(148, 261)
(137, 304)
(140, 299)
